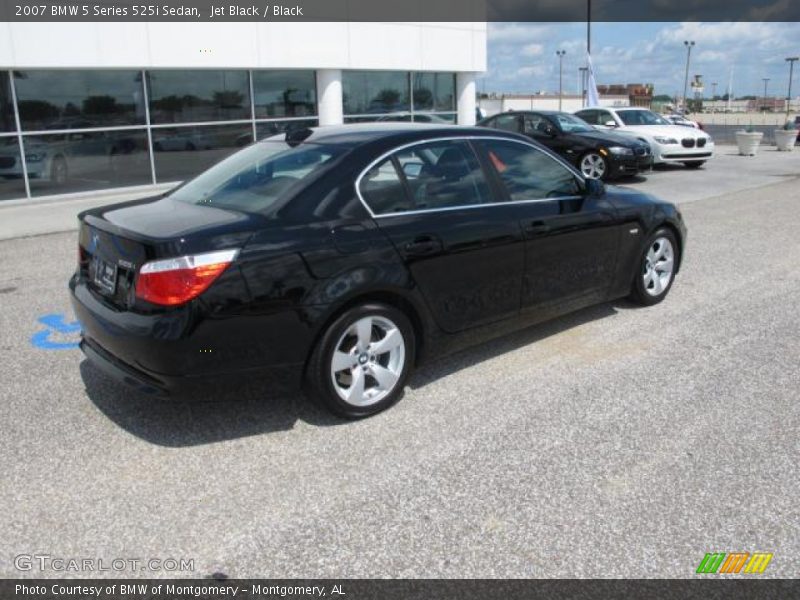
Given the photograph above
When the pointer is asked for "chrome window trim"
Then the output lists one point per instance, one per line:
(386, 155)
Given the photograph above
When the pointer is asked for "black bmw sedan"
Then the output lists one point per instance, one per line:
(340, 257)
(598, 154)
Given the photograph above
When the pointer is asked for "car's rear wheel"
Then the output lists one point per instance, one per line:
(694, 164)
(362, 361)
(594, 166)
(657, 268)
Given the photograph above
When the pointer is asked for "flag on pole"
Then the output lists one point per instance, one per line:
(592, 97)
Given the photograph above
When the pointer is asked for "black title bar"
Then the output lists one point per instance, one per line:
(706, 588)
(399, 10)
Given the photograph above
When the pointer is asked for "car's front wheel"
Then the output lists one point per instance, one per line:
(657, 268)
(361, 363)
(594, 166)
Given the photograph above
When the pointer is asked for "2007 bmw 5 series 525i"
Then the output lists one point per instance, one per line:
(342, 256)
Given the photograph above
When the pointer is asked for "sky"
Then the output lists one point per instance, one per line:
(522, 56)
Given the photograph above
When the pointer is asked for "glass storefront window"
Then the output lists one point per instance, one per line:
(183, 152)
(12, 185)
(375, 92)
(264, 130)
(68, 99)
(434, 92)
(7, 122)
(76, 162)
(284, 93)
(198, 96)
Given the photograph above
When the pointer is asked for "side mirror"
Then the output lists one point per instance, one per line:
(611, 123)
(595, 188)
(552, 131)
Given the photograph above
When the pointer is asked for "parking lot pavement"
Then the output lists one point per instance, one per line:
(616, 442)
(727, 172)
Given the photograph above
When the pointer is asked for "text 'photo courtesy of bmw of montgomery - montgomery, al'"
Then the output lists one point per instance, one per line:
(340, 257)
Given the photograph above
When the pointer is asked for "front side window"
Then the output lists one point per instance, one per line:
(641, 117)
(435, 176)
(536, 124)
(572, 124)
(528, 173)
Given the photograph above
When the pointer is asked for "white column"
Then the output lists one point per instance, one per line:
(329, 97)
(465, 92)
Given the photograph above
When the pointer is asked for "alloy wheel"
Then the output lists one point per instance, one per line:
(367, 361)
(593, 166)
(659, 264)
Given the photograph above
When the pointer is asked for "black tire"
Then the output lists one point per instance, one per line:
(319, 381)
(58, 170)
(639, 290)
(695, 164)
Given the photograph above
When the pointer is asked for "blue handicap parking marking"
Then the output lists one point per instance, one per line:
(55, 323)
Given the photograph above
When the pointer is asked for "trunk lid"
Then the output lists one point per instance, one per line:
(115, 241)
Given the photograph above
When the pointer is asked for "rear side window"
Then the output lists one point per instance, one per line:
(507, 123)
(383, 190)
(432, 176)
(528, 173)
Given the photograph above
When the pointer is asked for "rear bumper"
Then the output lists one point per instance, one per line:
(187, 353)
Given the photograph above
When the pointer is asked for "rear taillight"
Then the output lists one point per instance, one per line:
(82, 256)
(175, 281)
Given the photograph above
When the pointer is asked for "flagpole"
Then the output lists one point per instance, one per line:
(588, 26)
(588, 48)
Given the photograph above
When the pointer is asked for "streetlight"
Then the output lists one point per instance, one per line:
(689, 45)
(560, 54)
(791, 62)
(766, 81)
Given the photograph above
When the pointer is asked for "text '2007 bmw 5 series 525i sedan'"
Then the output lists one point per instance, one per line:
(340, 257)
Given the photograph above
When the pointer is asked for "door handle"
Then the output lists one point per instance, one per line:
(537, 227)
(424, 246)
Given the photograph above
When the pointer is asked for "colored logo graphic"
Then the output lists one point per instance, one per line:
(55, 324)
(735, 562)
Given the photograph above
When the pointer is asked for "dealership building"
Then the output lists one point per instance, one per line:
(91, 107)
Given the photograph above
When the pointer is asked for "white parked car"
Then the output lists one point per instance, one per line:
(669, 143)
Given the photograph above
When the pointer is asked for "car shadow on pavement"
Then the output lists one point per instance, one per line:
(247, 411)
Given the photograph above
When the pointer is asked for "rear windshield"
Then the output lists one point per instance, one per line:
(258, 177)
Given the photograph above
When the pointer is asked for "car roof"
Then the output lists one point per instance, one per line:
(549, 113)
(361, 133)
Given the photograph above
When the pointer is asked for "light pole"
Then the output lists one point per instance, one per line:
(766, 81)
(689, 45)
(560, 54)
(791, 62)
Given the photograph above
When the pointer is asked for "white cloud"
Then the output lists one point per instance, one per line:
(532, 50)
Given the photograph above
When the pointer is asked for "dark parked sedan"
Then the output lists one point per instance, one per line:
(598, 154)
(343, 256)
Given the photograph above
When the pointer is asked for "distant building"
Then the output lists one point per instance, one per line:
(497, 103)
(639, 94)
